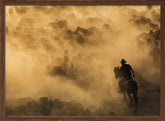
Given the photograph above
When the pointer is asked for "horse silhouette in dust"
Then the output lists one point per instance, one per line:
(129, 89)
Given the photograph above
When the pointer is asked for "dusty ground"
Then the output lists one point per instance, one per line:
(148, 96)
(149, 99)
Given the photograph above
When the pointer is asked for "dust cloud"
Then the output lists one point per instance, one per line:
(69, 52)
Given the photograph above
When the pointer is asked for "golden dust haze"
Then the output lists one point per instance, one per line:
(69, 52)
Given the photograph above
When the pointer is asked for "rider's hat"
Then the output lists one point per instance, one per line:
(123, 61)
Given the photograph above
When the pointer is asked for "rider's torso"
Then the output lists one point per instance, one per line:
(125, 71)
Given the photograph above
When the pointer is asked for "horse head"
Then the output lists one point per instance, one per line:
(116, 71)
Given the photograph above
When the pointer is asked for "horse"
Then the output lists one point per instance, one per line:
(128, 87)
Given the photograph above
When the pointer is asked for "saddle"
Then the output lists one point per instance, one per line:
(128, 80)
(124, 83)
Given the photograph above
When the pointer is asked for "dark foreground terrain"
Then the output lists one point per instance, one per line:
(149, 105)
(149, 99)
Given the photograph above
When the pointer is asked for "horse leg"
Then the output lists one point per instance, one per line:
(124, 98)
(129, 95)
(136, 101)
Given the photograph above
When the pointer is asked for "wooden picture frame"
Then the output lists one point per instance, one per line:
(3, 3)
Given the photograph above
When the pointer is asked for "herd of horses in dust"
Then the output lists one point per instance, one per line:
(150, 41)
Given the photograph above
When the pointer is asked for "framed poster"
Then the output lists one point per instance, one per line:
(82, 60)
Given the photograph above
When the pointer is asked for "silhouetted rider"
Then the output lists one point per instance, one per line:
(126, 72)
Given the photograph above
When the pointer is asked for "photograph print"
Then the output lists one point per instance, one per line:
(82, 60)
